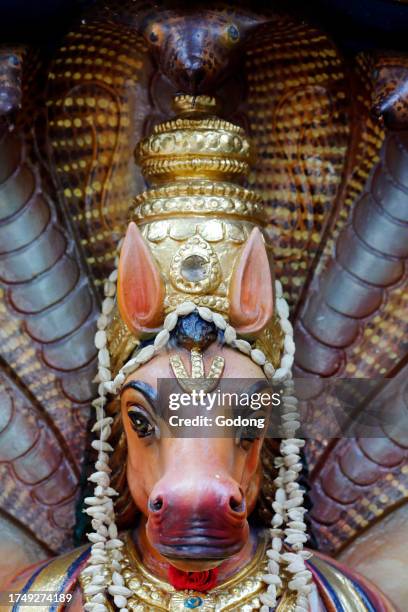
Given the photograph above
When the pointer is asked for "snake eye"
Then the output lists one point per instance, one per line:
(233, 33)
(13, 60)
(140, 423)
(153, 33)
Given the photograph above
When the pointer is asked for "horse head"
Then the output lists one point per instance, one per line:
(196, 493)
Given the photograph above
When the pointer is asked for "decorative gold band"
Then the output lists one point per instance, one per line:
(207, 123)
(197, 205)
(214, 302)
(199, 187)
(185, 104)
(198, 197)
(183, 168)
(185, 142)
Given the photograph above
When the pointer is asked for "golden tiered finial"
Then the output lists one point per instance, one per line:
(194, 145)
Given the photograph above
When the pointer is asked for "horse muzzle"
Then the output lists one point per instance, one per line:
(209, 523)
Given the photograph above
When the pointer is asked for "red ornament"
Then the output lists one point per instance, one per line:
(195, 581)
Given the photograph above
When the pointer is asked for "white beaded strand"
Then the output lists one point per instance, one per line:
(288, 503)
(288, 491)
(106, 547)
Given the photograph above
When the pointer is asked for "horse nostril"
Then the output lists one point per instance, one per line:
(156, 504)
(237, 504)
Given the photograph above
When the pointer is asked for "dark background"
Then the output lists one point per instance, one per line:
(354, 24)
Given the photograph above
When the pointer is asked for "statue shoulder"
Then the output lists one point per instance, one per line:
(339, 587)
(57, 577)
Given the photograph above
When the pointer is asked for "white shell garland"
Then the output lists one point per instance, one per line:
(288, 522)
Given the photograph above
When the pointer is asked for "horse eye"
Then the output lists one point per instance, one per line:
(140, 424)
(233, 33)
(245, 443)
(247, 434)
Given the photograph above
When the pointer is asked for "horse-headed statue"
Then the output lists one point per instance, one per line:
(184, 520)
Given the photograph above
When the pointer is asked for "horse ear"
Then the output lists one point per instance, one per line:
(140, 287)
(251, 288)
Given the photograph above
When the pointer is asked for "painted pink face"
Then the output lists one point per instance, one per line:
(196, 493)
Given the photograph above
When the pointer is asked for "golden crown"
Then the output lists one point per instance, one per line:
(195, 216)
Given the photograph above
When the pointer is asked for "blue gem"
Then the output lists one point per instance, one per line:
(193, 602)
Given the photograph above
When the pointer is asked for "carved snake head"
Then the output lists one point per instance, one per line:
(390, 90)
(11, 59)
(196, 49)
